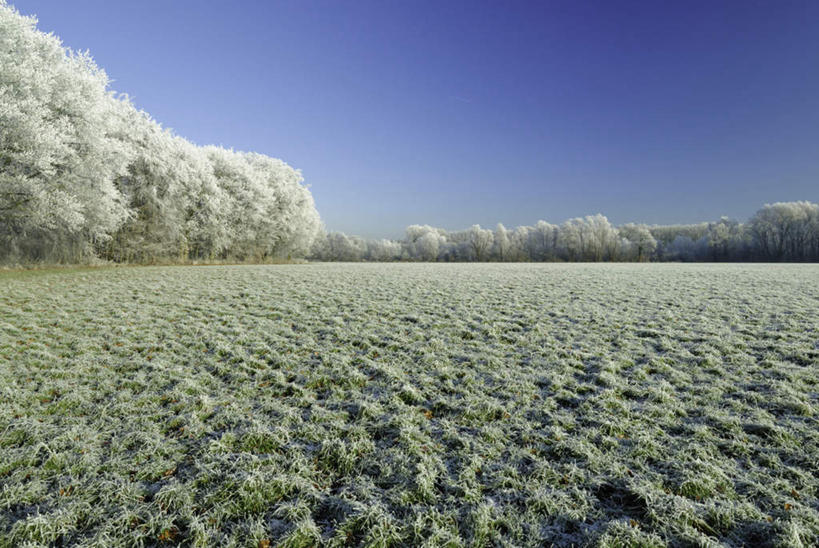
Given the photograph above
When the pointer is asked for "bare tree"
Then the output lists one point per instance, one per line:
(480, 241)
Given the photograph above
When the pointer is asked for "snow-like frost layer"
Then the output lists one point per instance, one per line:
(411, 403)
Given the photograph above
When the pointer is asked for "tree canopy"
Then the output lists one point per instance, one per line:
(84, 174)
(784, 231)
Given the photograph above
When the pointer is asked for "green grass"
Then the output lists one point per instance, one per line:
(410, 404)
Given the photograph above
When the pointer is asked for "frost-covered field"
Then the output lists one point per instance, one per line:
(410, 404)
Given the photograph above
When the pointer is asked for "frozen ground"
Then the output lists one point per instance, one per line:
(407, 404)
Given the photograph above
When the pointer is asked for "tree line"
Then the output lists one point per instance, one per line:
(784, 231)
(84, 174)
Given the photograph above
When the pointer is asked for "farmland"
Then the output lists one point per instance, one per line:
(410, 404)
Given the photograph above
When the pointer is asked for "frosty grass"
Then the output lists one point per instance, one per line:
(410, 404)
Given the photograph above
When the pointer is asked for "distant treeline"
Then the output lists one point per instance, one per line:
(784, 231)
(85, 175)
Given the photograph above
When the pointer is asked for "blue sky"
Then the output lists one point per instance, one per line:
(453, 113)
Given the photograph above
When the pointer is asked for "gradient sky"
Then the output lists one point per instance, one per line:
(454, 113)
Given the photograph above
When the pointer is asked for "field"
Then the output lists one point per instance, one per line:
(410, 404)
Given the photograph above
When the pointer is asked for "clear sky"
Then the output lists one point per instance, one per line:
(454, 113)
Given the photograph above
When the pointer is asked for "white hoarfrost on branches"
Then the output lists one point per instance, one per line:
(480, 242)
(639, 243)
(58, 154)
(84, 174)
(785, 231)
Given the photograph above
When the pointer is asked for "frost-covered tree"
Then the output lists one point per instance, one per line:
(428, 246)
(249, 225)
(383, 250)
(641, 244)
(666, 235)
(204, 228)
(786, 231)
(337, 246)
(601, 238)
(502, 245)
(518, 239)
(480, 242)
(683, 248)
(58, 152)
(792, 227)
(541, 243)
(424, 242)
(84, 173)
(727, 240)
(293, 221)
(591, 238)
(571, 239)
(155, 186)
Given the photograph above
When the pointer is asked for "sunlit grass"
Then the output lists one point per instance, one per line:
(410, 404)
